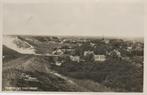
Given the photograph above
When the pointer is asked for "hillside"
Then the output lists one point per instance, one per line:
(9, 54)
(33, 71)
(30, 65)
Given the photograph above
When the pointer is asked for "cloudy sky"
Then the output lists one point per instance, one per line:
(79, 17)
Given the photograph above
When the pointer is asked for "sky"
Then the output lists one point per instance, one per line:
(124, 18)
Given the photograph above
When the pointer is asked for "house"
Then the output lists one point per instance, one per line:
(58, 52)
(129, 48)
(58, 63)
(79, 44)
(114, 53)
(99, 57)
(67, 50)
(106, 41)
(55, 60)
(75, 58)
(92, 44)
(117, 53)
(125, 58)
(88, 53)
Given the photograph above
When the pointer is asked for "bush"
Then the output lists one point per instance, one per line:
(118, 75)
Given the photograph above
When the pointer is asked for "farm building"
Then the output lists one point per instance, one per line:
(99, 57)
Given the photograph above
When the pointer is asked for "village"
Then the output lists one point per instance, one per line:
(89, 50)
(112, 63)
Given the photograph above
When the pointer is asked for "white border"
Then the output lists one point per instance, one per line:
(1, 29)
(71, 93)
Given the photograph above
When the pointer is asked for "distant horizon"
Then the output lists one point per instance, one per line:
(83, 35)
(103, 36)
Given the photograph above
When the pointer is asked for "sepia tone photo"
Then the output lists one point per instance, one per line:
(73, 46)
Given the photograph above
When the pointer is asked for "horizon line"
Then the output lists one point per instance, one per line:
(77, 35)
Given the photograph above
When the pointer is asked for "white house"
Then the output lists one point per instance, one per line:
(88, 52)
(129, 48)
(58, 63)
(75, 58)
(58, 52)
(106, 41)
(99, 57)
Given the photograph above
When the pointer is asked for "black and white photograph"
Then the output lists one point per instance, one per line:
(73, 46)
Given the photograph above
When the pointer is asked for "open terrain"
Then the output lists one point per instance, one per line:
(28, 66)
